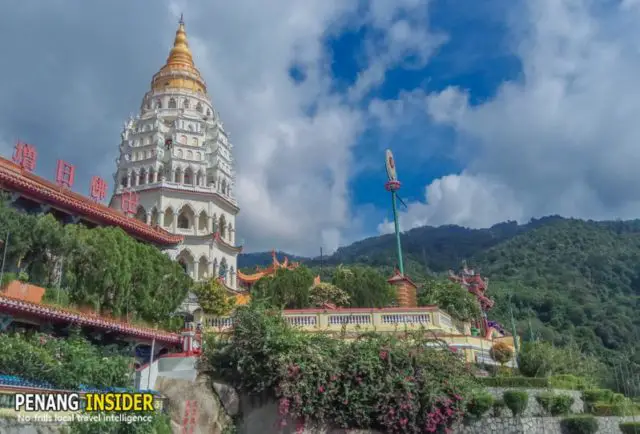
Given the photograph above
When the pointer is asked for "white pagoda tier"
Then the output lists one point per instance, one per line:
(175, 167)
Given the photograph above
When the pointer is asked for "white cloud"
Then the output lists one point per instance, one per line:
(564, 138)
(81, 69)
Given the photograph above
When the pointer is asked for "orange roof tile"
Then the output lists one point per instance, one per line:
(15, 179)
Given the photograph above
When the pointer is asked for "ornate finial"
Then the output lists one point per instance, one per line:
(181, 19)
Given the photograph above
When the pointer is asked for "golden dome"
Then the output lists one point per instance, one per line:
(179, 72)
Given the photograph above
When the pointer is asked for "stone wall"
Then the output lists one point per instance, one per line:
(535, 425)
(12, 426)
(533, 408)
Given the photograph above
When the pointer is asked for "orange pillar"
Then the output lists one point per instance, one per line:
(405, 290)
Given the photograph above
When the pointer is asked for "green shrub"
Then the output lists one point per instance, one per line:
(630, 427)
(570, 382)
(582, 424)
(516, 401)
(498, 407)
(388, 383)
(65, 363)
(555, 404)
(480, 403)
(524, 382)
(618, 409)
(592, 396)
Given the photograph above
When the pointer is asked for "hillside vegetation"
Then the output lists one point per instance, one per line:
(566, 280)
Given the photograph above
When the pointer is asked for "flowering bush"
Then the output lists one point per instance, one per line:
(393, 384)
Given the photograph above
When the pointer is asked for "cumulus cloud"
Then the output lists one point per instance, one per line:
(81, 69)
(563, 138)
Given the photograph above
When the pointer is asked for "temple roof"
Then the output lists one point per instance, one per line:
(15, 179)
(270, 270)
(56, 314)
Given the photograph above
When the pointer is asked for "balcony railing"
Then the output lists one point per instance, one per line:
(389, 319)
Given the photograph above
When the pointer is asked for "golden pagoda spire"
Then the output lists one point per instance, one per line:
(179, 72)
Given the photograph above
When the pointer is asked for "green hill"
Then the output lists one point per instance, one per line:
(566, 280)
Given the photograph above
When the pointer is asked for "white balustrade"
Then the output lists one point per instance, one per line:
(403, 318)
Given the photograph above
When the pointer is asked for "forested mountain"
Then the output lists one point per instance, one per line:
(564, 279)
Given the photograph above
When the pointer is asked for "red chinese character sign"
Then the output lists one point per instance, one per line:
(25, 156)
(98, 190)
(65, 174)
(129, 202)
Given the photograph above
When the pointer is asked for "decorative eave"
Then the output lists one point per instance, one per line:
(162, 188)
(55, 314)
(15, 179)
(222, 243)
(397, 278)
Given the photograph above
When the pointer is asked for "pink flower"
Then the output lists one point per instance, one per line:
(321, 389)
(383, 355)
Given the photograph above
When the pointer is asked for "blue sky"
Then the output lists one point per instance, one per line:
(495, 110)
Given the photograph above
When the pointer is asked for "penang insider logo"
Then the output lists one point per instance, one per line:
(98, 402)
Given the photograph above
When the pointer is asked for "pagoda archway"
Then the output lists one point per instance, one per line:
(186, 261)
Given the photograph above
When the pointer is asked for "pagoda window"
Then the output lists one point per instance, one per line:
(208, 112)
(185, 259)
(222, 272)
(168, 218)
(185, 104)
(190, 155)
(224, 186)
(186, 218)
(203, 221)
(199, 107)
(141, 214)
(123, 181)
(183, 140)
(203, 268)
(194, 142)
(188, 176)
(222, 226)
(172, 103)
(142, 177)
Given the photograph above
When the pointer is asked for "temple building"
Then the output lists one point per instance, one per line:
(175, 169)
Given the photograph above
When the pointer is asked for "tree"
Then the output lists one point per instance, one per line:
(365, 286)
(287, 289)
(451, 297)
(323, 293)
(501, 353)
(213, 299)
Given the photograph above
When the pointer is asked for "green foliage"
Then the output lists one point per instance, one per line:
(159, 424)
(524, 382)
(287, 289)
(570, 382)
(365, 286)
(501, 353)
(323, 293)
(385, 382)
(65, 363)
(480, 403)
(103, 268)
(542, 359)
(213, 298)
(555, 404)
(451, 297)
(516, 401)
(629, 427)
(498, 407)
(576, 281)
(580, 424)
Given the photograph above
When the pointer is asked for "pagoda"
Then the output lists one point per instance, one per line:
(476, 285)
(175, 169)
